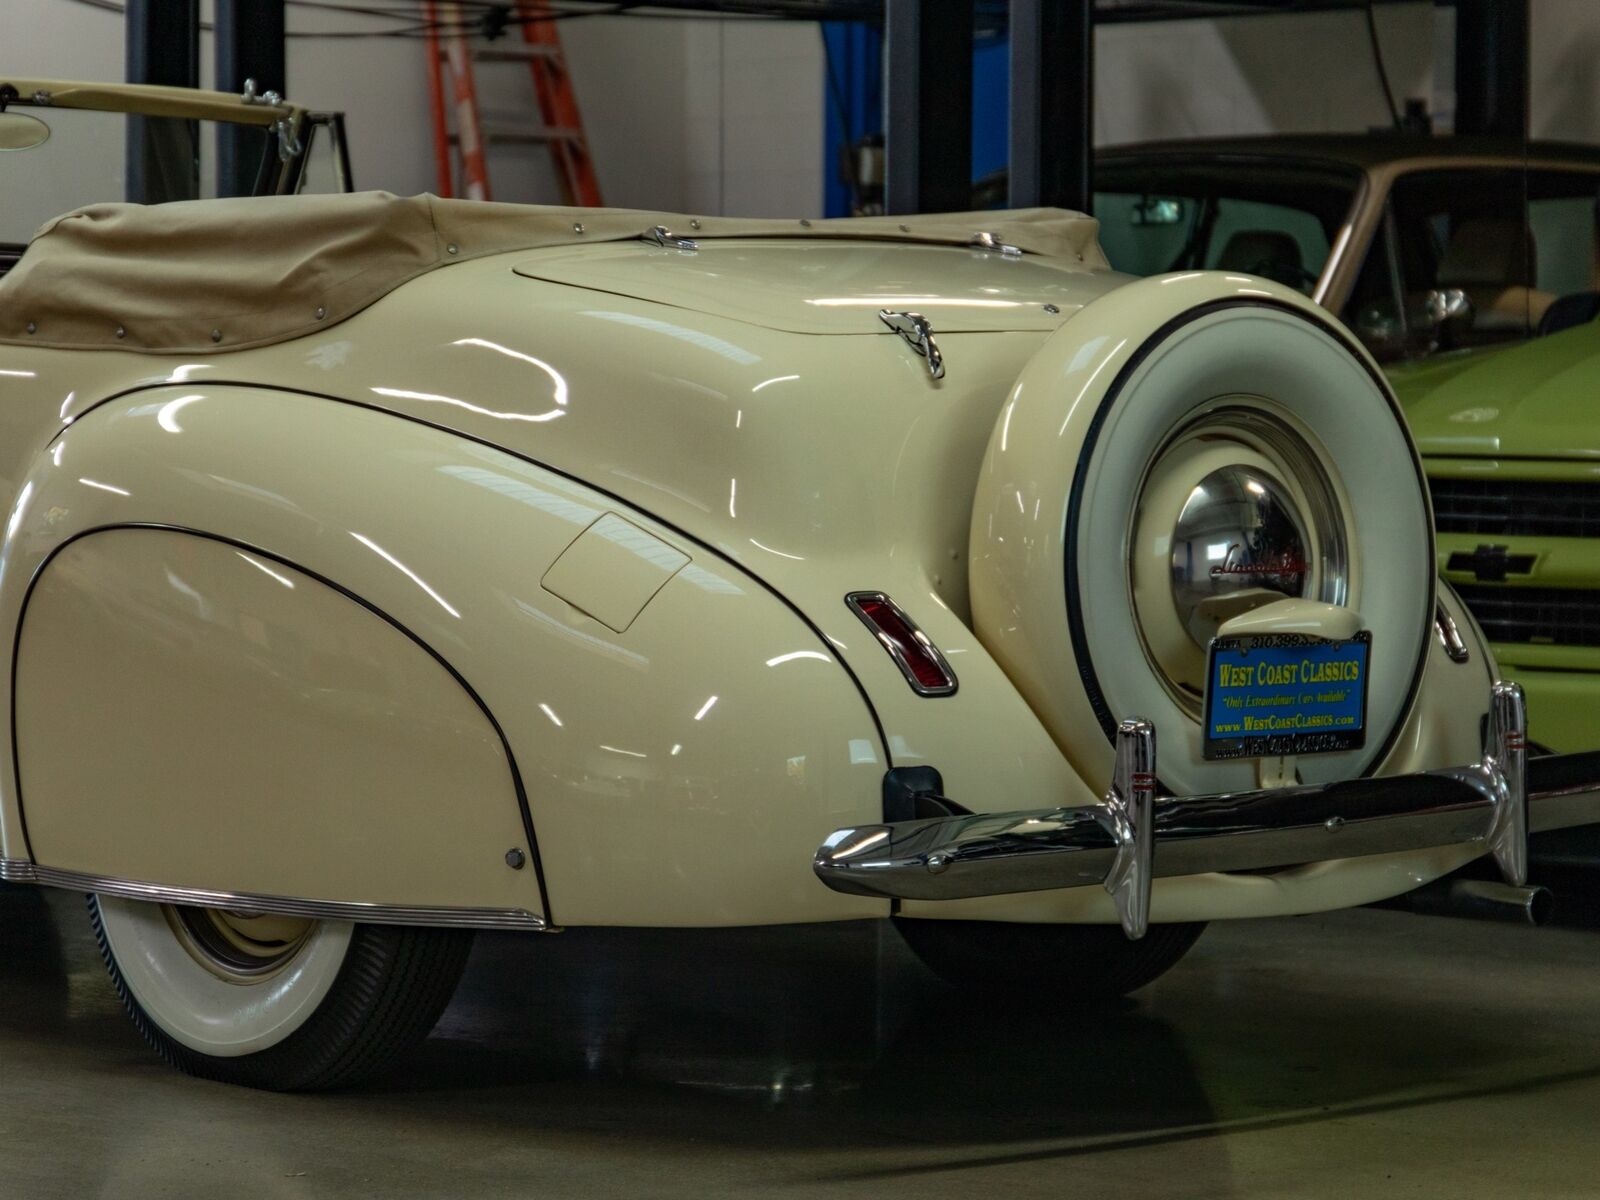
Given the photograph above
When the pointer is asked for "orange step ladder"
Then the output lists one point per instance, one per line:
(452, 88)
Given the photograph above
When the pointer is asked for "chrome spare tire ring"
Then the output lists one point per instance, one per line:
(1297, 365)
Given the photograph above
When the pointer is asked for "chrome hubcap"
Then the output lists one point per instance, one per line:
(1238, 534)
(1236, 510)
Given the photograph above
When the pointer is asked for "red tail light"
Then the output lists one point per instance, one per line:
(918, 659)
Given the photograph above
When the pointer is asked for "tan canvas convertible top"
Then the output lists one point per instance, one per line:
(226, 274)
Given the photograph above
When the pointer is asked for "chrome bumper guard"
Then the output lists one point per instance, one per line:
(1135, 836)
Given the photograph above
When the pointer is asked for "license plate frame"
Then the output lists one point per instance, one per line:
(1278, 711)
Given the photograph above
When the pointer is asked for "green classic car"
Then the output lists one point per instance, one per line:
(1468, 267)
(1511, 440)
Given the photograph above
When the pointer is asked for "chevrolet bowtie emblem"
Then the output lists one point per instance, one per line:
(1490, 564)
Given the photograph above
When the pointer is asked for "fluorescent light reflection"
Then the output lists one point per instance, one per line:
(266, 570)
(167, 414)
(15, 522)
(435, 398)
(797, 654)
(550, 712)
(775, 379)
(779, 553)
(910, 301)
(406, 571)
(104, 487)
(560, 396)
(705, 708)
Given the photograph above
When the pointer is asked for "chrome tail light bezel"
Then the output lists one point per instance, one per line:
(861, 604)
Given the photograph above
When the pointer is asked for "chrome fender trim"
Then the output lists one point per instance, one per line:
(16, 871)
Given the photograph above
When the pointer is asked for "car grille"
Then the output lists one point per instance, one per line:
(1514, 507)
(1562, 616)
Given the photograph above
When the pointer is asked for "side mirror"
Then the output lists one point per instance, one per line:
(1381, 330)
(1157, 210)
(19, 131)
(1450, 316)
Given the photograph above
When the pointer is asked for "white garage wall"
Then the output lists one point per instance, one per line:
(1313, 71)
(681, 114)
(1565, 56)
(754, 121)
(1245, 75)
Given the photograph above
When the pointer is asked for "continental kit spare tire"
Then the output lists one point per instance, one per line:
(1164, 416)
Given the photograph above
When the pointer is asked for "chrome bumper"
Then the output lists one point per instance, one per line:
(1135, 836)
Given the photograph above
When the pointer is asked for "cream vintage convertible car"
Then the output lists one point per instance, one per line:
(381, 569)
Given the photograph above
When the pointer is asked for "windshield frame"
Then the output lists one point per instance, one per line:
(282, 162)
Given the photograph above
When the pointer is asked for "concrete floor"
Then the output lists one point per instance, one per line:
(1363, 1054)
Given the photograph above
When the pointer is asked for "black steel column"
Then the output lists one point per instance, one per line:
(1052, 103)
(927, 105)
(249, 46)
(1492, 67)
(163, 46)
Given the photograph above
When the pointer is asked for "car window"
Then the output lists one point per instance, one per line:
(1268, 220)
(1563, 237)
(1495, 246)
(1275, 240)
(1376, 310)
(1144, 234)
(1562, 216)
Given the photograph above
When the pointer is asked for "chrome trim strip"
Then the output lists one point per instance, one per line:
(988, 854)
(16, 871)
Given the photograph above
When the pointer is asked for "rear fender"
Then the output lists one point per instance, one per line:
(677, 766)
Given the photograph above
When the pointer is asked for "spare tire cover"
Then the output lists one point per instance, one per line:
(1060, 494)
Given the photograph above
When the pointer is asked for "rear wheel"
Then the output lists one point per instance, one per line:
(282, 1003)
(1058, 963)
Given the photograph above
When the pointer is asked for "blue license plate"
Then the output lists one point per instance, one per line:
(1276, 694)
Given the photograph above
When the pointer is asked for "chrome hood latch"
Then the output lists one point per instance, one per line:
(660, 235)
(993, 241)
(918, 334)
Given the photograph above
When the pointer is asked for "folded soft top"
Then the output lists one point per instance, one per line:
(209, 275)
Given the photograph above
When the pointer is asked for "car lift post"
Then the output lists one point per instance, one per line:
(163, 46)
(1052, 103)
(1492, 67)
(928, 107)
(250, 46)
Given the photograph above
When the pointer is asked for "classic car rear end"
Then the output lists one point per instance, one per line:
(423, 566)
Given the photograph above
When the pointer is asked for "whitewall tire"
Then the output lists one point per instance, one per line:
(280, 1003)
